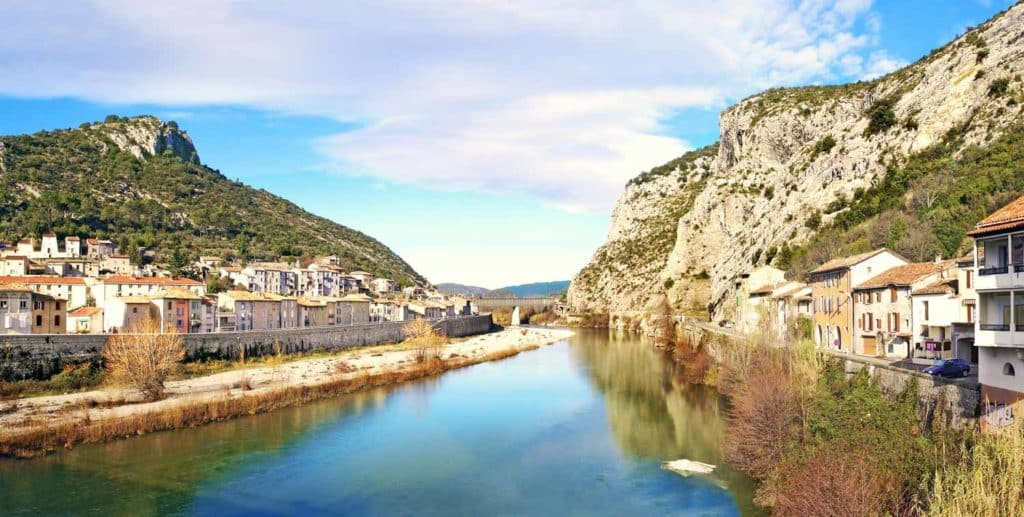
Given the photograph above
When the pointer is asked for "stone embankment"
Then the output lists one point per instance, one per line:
(40, 356)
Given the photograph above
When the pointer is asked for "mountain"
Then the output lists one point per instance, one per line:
(461, 289)
(139, 181)
(520, 291)
(531, 290)
(800, 175)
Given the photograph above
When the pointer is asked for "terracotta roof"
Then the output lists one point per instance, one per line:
(15, 287)
(86, 311)
(966, 259)
(356, 298)
(306, 302)
(72, 238)
(940, 287)
(148, 280)
(846, 262)
(41, 279)
(766, 290)
(905, 275)
(1006, 218)
(15, 257)
(177, 293)
(246, 296)
(49, 235)
(135, 299)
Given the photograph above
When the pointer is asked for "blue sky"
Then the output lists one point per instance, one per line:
(516, 124)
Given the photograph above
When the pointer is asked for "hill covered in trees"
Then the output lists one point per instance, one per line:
(139, 182)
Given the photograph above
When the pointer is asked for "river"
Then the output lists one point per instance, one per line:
(579, 428)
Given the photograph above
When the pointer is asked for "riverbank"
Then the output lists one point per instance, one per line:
(34, 426)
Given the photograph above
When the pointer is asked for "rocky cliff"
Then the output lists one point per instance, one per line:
(788, 162)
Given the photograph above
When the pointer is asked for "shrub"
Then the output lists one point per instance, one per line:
(881, 116)
(428, 343)
(144, 357)
(763, 420)
(833, 481)
(814, 221)
(999, 87)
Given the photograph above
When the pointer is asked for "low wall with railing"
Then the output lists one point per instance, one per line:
(40, 356)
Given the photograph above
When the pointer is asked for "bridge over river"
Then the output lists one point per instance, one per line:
(538, 304)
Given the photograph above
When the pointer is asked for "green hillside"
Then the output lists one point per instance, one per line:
(139, 183)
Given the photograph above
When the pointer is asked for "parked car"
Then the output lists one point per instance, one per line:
(950, 368)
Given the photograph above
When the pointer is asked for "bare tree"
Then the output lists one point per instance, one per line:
(144, 357)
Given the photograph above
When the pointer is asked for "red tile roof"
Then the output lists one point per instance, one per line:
(1006, 218)
(905, 275)
(41, 279)
(86, 311)
(945, 286)
(148, 280)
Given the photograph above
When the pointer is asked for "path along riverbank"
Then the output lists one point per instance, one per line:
(32, 426)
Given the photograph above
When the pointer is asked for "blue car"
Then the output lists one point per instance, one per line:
(950, 368)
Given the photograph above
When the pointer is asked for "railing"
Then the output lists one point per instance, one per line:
(996, 326)
(1018, 268)
(1000, 270)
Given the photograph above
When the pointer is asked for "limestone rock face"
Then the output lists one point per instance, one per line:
(149, 136)
(785, 155)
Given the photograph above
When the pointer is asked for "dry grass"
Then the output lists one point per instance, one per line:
(45, 438)
(144, 357)
(988, 482)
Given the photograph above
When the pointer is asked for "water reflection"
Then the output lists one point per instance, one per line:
(577, 429)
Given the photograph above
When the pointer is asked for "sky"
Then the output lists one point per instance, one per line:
(483, 141)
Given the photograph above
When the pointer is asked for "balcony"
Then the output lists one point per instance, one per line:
(997, 327)
(998, 270)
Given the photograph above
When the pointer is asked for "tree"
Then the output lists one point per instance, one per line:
(144, 357)
(179, 261)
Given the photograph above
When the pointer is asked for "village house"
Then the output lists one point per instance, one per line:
(999, 331)
(414, 293)
(383, 286)
(967, 311)
(787, 303)
(235, 275)
(124, 313)
(426, 309)
(178, 309)
(389, 310)
(15, 309)
(271, 278)
(354, 309)
(116, 265)
(14, 265)
(99, 248)
(73, 290)
(289, 310)
(883, 310)
(746, 311)
(85, 320)
(121, 285)
(312, 313)
(252, 311)
(935, 308)
(832, 290)
(49, 314)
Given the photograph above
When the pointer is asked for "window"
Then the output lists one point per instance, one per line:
(926, 310)
(56, 321)
(896, 322)
(1008, 370)
(878, 323)
(39, 320)
(3, 304)
(892, 294)
(169, 306)
(23, 305)
(56, 306)
(135, 310)
(970, 278)
(878, 296)
(970, 314)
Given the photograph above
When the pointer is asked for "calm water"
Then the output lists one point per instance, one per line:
(577, 428)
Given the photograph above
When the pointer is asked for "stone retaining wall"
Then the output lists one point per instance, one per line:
(40, 356)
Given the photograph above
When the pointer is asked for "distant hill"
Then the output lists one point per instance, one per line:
(139, 182)
(519, 291)
(535, 289)
(461, 289)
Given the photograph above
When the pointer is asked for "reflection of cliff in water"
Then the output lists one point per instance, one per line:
(651, 413)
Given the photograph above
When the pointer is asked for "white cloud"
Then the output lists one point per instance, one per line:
(561, 100)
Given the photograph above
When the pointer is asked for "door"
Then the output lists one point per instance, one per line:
(870, 346)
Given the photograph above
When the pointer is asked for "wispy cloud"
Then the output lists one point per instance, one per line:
(560, 100)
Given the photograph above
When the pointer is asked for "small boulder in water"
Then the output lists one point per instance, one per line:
(687, 467)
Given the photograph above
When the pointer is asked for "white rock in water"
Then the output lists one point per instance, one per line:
(687, 467)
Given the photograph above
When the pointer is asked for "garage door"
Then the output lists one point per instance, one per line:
(869, 346)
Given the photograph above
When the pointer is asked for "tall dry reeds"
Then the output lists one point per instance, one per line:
(144, 357)
(420, 334)
(988, 481)
(831, 481)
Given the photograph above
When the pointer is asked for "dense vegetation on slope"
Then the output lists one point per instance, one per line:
(80, 182)
(924, 207)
